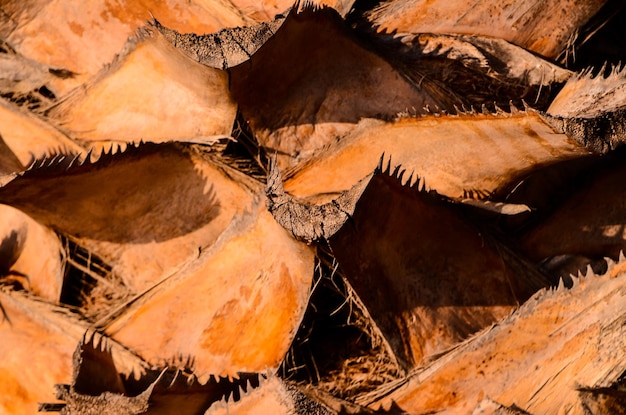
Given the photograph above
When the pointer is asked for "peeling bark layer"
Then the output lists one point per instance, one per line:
(545, 27)
(238, 326)
(533, 359)
(40, 340)
(447, 278)
(159, 104)
(456, 155)
(99, 202)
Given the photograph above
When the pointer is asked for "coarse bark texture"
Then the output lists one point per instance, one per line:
(226, 48)
(591, 109)
(306, 221)
(159, 104)
(443, 291)
(95, 31)
(41, 339)
(547, 28)
(184, 200)
(316, 207)
(534, 358)
(456, 155)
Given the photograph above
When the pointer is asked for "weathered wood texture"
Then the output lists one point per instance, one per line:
(535, 358)
(545, 27)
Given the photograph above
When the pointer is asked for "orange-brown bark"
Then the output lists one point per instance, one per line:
(535, 358)
(159, 103)
(545, 27)
(146, 211)
(453, 154)
(311, 83)
(82, 37)
(38, 341)
(28, 137)
(31, 255)
(228, 318)
(428, 276)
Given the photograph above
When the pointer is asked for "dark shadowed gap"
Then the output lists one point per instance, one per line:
(88, 281)
(602, 40)
(336, 348)
(245, 153)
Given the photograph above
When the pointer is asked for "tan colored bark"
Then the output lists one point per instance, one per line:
(536, 358)
(146, 212)
(166, 96)
(266, 10)
(82, 37)
(592, 109)
(225, 306)
(545, 27)
(38, 341)
(428, 276)
(585, 95)
(31, 255)
(454, 155)
(271, 397)
(29, 137)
